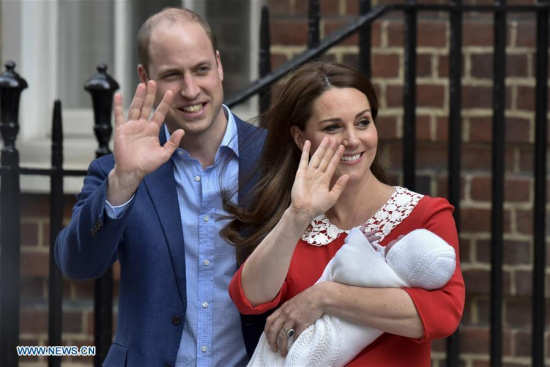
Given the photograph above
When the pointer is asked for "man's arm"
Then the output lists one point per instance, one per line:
(87, 247)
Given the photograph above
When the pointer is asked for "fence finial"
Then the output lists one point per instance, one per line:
(11, 86)
(102, 88)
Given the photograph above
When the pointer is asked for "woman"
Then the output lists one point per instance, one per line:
(305, 204)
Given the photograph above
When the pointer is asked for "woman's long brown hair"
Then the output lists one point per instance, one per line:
(280, 156)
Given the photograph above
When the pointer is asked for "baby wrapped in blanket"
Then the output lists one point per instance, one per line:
(419, 259)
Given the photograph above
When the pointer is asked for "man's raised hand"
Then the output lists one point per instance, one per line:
(137, 148)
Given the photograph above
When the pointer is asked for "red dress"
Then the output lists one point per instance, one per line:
(440, 310)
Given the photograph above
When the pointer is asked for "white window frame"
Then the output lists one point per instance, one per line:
(37, 62)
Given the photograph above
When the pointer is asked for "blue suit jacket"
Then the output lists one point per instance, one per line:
(147, 241)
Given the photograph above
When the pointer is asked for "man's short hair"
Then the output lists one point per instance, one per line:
(170, 16)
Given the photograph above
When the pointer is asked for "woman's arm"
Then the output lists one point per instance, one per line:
(387, 309)
(265, 270)
(409, 312)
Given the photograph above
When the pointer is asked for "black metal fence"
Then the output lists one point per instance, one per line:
(102, 87)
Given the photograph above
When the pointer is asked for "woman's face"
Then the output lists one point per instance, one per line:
(343, 114)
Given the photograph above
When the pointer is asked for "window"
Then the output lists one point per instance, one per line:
(58, 44)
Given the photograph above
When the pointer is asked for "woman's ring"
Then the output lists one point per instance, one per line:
(289, 332)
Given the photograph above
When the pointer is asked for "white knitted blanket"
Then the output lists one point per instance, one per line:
(332, 341)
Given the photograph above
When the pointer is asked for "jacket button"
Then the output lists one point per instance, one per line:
(176, 320)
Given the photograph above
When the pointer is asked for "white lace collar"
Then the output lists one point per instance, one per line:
(398, 207)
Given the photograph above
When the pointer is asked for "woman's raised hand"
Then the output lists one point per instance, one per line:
(137, 148)
(311, 192)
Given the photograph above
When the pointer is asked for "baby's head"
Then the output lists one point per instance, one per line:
(422, 259)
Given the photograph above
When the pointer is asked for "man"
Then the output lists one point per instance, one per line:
(155, 206)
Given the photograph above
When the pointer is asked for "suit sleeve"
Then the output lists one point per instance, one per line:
(440, 310)
(87, 247)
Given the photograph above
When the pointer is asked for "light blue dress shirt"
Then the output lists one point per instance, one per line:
(212, 334)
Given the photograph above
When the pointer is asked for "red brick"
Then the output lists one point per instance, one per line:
(386, 127)
(482, 66)
(517, 66)
(523, 282)
(443, 186)
(430, 95)
(468, 315)
(394, 96)
(524, 221)
(522, 343)
(83, 289)
(477, 281)
(484, 314)
(277, 60)
(33, 321)
(423, 128)
(35, 264)
(432, 156)
(279, 7)
(376, 32)
(477, 97)
(475, 220)
(516, 252)
(331, 26)
(525, 98)
(393, 155)
(526, 34)
(432, 34)
(394, 32)
(477, 33)
(517, 313)
(465, 251)
(476, 157)
(289, 32)
(30, 233)
(518, 130)
(474, 340)
(423, 65)
(480, 129)
(526, 160)
(438, 345)
(351, 60)
(352, 7)
(301, 7)
(442, 129)
(35, 205)
(72, 322)
(33, 290)
(385, 65)
(443, 70)
(329, 7)
(515, 190)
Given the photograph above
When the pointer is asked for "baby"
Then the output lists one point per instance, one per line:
(419, 259)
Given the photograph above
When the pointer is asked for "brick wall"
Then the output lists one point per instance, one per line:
(289, 25)
(288, 30)
(78, 323)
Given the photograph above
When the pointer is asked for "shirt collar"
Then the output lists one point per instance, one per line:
(230, 138)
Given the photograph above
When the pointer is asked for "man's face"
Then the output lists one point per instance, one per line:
(182, 60)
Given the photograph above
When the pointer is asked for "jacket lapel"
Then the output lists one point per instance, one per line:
(251, 141)
(161, 186)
